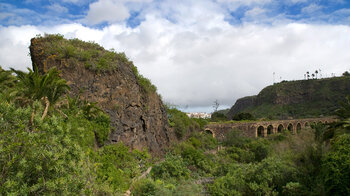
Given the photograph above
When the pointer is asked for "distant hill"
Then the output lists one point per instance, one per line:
(295, 99)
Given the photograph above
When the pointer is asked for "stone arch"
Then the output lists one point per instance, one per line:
(208, 131)
(280, 128)
(290, 127)
(260, 131)
(325, 122)
(307, 124)
(298, 127)
(269, 129)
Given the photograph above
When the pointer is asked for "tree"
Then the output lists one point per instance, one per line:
(336, 167)
(346, 73)
(49, 86)
(308, 74)
(316, 72)
(216, 105)
(313, 75)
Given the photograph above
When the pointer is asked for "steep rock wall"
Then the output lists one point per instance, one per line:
(138, 117)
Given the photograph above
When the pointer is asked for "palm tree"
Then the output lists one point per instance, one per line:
(313, 75)
(308, 76)
(316, 72)
(49, 87)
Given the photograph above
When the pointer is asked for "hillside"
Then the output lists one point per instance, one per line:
(138, 116)
(295, 99)
(53, 141)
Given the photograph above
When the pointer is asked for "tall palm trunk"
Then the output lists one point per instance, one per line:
(47, 102)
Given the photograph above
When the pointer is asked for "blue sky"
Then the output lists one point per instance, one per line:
(194, 51)
(49, 12)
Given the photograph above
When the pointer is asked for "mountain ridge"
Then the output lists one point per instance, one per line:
(295, 99)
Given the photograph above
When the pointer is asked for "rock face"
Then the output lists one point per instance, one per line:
(240, 105)
(138, 118)
(295, 99)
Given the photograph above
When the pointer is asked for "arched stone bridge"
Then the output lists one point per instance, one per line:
(263, 128)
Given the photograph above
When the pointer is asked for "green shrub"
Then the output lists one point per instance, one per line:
(172, 167)
(336, 167)
(117, 166)
(146, 187)
(264, 178)
(46, 161)
(243, 116)
(194, 157)
(179, 120)
(236, 138)
(216, 116)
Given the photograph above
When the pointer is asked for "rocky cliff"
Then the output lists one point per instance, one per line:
(138, 116)
(295, 99)
(240, 105)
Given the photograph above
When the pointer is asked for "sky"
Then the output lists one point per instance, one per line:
(194, 51)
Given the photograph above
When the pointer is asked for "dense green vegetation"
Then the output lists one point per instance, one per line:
(283, 164)
(57, 154)
(182, 124)
(64, 151)
(92, 54)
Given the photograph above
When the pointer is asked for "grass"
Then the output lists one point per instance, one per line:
(93, 56)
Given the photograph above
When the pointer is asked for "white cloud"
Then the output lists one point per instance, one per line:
(107, 11)
(310, 9)
(299, 1)
(71, 1)
(192, 54)
(194, 65)
(246, 2)
(57, 8)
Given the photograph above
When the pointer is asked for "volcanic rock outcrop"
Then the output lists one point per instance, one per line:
(138, 116)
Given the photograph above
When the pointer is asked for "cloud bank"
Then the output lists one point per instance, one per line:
(193, 53)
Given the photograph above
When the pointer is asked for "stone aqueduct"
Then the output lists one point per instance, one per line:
(264, 128)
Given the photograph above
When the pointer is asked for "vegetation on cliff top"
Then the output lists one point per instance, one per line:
(93, 56)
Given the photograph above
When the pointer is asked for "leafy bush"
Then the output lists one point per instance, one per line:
(160, 188)
(235, 138)
(336, 167)
(194, 158)
(216, 116)
(146, 187)
(172, 167)
(243, 116)
(264, 178)
(47, 160)
(117, 166)
(179, 120)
